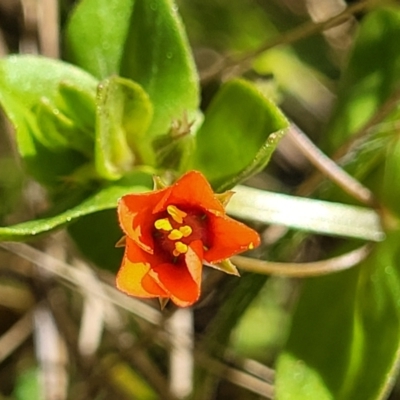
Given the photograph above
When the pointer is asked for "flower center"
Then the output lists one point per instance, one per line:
(176, 228)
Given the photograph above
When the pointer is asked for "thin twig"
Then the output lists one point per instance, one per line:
(48, 28)
(51, 355)
(305, 30)
(237, 377)
(3, 45)
(258, 369)
(28, 42)
(329, 168)
(384, 111)
(69, 273)
(387, 107)
(97, 378)
(301, 270)
(135, 355)
(16, 335)
(181, 334)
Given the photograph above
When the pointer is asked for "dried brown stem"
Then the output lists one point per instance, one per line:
(239, 378)
(15, 336)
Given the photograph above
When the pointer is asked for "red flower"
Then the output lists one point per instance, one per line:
(170, 232)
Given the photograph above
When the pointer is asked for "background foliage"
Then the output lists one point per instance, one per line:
(100, 95)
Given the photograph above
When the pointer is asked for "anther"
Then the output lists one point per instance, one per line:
(163, 224)
(175, 234)
(185, 230)
(176, 214)
(180, 248)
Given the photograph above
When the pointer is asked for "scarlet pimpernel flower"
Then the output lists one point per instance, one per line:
(170, 233)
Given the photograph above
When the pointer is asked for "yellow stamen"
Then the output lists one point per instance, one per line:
(180, 248)
(186, 230)
(251, 246)
(163, 224)
(175, 234)
(176, 214)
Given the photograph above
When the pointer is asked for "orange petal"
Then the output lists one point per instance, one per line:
(135, 213)
(193, 260)
(181, 282)
(229, 237)
(192, 189)
(133, 278)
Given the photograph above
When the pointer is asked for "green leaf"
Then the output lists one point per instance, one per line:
(141, 40)
(316, 357)
(58, 133)
(157, 55)
(104, 25)
(174, 152)
(345, 336)
(241, 130)
(124, 113)
(390, 191)
(239, 294)
(175, 149)
(79, 106)
(371, 76)
(27, 385)
(29, 78)
(24, 82)
(105, 199)
(95, 235)
(344, 341)
(323, 217)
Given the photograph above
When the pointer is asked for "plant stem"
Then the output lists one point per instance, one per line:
(329, 168)
(243, 63)
(301, 270)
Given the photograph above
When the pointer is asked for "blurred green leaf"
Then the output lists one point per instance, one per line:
(129, 381)
(372, 74)
(315, 361)
(157, 55)
(124, 113)
(391, 189)
(345, 336)
(268, 309)
(104, 25)
(24, 82)
(213, 24)
(241, 130)
(233, 299)
(27, 386)
(105, 199)
(95, 236)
